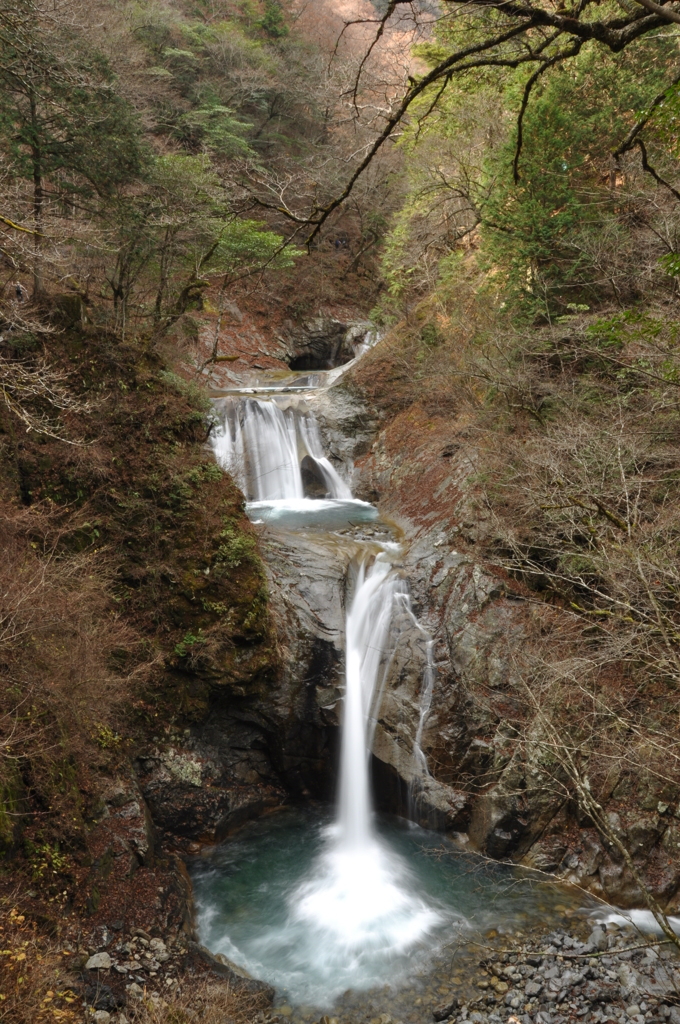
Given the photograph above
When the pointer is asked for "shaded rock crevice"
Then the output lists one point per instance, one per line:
(321, 343)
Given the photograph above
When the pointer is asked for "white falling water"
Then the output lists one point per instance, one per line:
(358, 908)
(359, 902)
(262, 446)
(421, 775)
(308, 430)
(367, 633)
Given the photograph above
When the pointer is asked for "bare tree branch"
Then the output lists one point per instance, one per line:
(669, 13)
(563, 55)
(646, 166)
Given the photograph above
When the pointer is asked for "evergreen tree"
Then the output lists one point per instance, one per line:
(63, 126)
(273, 21)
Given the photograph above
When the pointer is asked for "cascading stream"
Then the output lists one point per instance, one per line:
(358, 906)
(319, 907)
(262, 446)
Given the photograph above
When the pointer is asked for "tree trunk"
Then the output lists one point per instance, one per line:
(38, 198)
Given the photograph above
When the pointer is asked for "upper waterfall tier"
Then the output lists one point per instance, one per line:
(273, 452)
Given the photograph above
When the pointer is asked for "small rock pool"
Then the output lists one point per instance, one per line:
(252, 893)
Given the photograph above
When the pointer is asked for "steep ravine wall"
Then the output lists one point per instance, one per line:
(487, 782)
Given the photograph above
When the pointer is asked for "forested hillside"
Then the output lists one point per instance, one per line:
(147, 150)
(531, 281)
(497, 186)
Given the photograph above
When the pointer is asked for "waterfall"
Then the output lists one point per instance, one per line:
(257, 444)
(262, 446)
(378, 593)
(425, 705)
(308, 429)
(366, 635)
(265, 446)
(367, 627)
(359, 899)
(335, 907)
(358, 907)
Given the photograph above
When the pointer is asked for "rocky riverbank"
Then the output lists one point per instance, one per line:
(581, 972)
(613, 975)
(605, 973)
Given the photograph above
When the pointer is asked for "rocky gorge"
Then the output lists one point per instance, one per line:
(340, 442)
(484, 782)
(446, 752)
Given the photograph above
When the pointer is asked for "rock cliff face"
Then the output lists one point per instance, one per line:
(321, 344)
(487, 780)
(251, 754)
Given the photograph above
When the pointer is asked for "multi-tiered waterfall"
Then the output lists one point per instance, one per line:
(356, 909)
(320, 904)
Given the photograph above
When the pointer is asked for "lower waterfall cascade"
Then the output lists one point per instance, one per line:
(359, 898)
(317, 904)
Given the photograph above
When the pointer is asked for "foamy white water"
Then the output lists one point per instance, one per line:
(360, 899)
(262, 446)
(643, 920)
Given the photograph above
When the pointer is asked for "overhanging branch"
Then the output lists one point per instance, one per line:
(630, 138)
(321, 215)
(669, 13)
(615, 33)
(563, 55)
(646, 166)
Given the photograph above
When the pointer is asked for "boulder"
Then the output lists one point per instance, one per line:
(444, 1010)
(99, 962)
(597, 940)
(238, 978)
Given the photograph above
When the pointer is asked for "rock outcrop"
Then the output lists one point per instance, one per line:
(489, 780)
(320, 344)
(454, 686)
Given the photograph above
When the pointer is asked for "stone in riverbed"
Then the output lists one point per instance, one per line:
(442, 1011)
(597, 940)
(99, 962)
